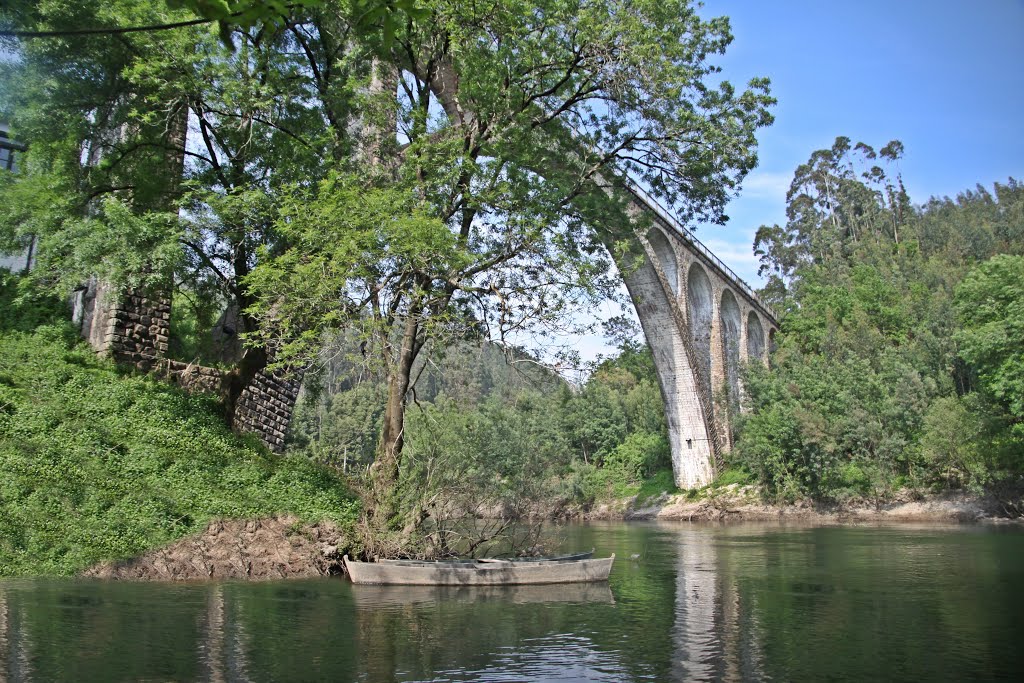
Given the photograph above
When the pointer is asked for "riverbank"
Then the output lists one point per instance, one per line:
(271, 548)
(284, 547)
(742, 503)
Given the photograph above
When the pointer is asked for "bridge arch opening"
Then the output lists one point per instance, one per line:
(755, 338)
(700, 310)
(729, 314)
(666, 256)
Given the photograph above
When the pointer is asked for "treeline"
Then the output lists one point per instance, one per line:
(489, 430)
(901, 357)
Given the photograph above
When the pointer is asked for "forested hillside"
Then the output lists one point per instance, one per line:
(901, 358)
(97, 464)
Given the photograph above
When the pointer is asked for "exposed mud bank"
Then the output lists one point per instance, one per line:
(743, 504)
(271, 548)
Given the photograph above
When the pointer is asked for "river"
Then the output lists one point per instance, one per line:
(684, 603)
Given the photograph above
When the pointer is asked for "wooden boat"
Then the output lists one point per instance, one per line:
(473, 562)
(479, 573)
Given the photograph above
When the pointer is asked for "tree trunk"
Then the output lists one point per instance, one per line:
(387, 466)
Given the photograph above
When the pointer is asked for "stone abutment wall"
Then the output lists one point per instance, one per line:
(265, 408)
(134, 330)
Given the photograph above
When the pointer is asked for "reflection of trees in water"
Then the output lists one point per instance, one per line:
(15, 646)
(60, 630)
(288, 630)
(4, 673)
(698, 603)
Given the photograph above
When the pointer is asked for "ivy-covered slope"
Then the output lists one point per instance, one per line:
(98, 465)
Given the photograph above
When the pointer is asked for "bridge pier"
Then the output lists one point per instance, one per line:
(686, 401)
(702, 324)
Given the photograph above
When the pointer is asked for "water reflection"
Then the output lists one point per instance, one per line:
(222, 647)
(695, 603)
(391, 597)
(715, 630)
(483, 633)
(14, 642)
(697, 595)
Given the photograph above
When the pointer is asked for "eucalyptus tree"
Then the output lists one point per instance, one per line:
(489, 206)
(841, 197)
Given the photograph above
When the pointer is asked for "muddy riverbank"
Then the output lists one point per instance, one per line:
(269, 548)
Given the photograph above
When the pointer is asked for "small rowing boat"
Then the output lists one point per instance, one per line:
(473, 562)
(480, 572)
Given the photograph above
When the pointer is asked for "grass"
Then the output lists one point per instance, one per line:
(98, 465)
(733, 475)
(658, 483)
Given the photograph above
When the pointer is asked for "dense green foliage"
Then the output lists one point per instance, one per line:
(419, 170)
(899, 362)
(487, 435)
(990, 303)
(95, 465)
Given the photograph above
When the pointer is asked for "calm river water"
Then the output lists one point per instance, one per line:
(697, 602)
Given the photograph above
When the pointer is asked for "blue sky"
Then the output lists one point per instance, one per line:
(945, 77)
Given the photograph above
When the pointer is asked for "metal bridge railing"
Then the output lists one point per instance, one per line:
(697, 245)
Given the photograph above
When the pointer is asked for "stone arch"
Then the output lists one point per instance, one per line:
(666, 256)
(731, 320)
(700, 311)
(755, 338)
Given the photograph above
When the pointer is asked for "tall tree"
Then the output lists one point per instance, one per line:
(515, 122)
(839, 198)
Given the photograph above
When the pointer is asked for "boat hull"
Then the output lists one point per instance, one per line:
(476, 562)
(483, 574)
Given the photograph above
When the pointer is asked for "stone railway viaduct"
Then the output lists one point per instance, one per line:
(702, 323)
